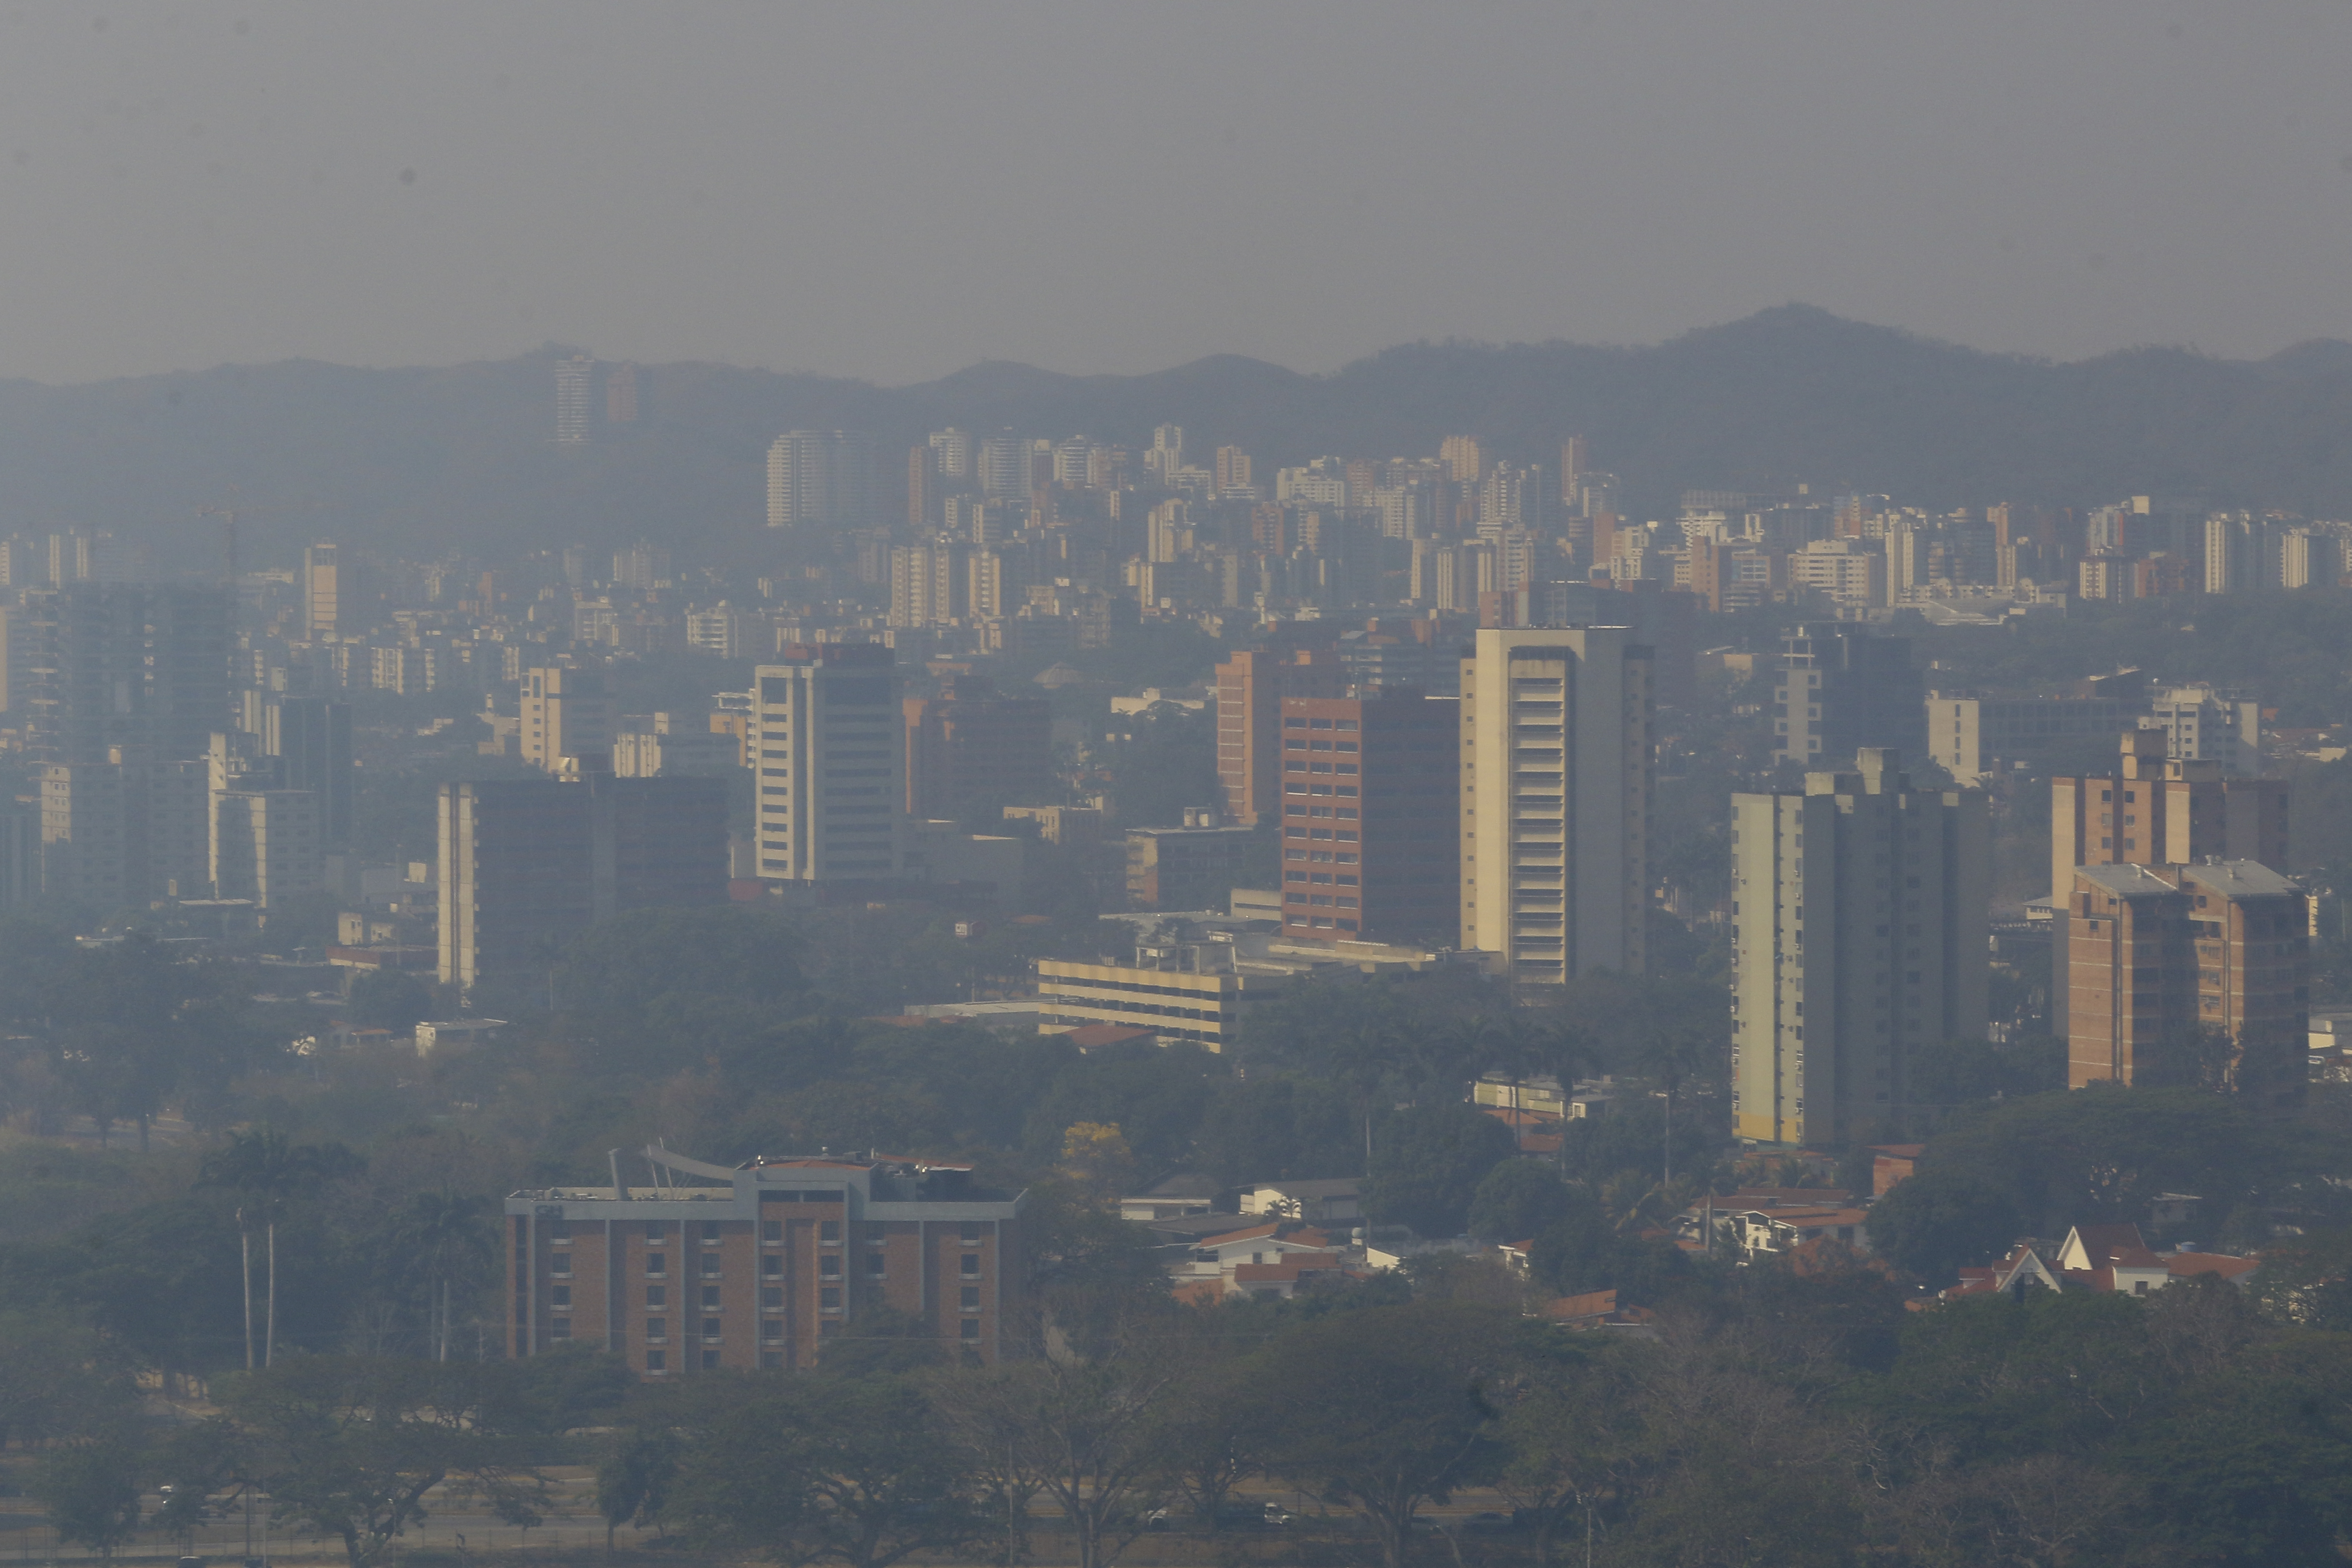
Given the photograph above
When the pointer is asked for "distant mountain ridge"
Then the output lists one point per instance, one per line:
(422, 461)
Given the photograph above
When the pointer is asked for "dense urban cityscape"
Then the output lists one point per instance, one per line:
(1073, 867)
(1149, 788)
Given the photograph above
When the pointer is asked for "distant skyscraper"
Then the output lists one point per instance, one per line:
(1251, 687)
(952, 448)
(575, 384)
(1465, 459)
(526, 865)
(119, 665)
(830, 744)
(1167, 453)
(1575, 459)
(1003, 466)
(822, 477)
(1842, 691)
(1372, 797)
(1232, 470)
(566, 714)
(311, 739)
(1555, 754)
(970, 747)
(330, 601)
(924, 505)
(621, 395)
(1859, 911)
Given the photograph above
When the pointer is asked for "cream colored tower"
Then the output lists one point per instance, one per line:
(1555, 801)
(1859, 924)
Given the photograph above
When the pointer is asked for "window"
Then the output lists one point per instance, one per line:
(710, 1265)
(828, 1300)
(875, 1265)
(771, 1359)
(559, 1264)
(971, 1266)
(970, 1328)
(656, 1264)
(971, 1297)
(560, 1328)
(829, 1231)
(772, 1298)
(972, 1233)
(656, 1295)
(710, 1360)
(656, 1361)
(710, 1328)
(559, 1230)
(710, 1298)
(771, 1266)
(710, 1232)
(561, 1296)
(653, 1230)
(828, 1267)
(771, 1328)
(772, 1230)
(656, 1329)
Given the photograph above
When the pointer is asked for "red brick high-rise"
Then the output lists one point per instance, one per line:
(1370, 818)
(1251, 688)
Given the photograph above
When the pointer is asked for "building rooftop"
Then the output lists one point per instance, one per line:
(2241, 879)
(2126, 881)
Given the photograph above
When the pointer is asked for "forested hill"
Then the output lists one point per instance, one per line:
(416, 461)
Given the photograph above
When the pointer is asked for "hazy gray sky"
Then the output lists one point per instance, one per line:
(895, 191)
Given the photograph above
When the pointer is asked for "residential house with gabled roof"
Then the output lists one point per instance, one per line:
(2021, 1266)
(2114, 1257)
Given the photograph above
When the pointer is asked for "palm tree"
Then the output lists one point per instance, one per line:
(265, 1170)
(444, 1234)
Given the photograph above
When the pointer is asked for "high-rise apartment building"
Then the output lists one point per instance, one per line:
(576, 387)
(623, 394)
(2173, 971)
(1002, 465)
(821, 477)
(311, 738)
(765, 1264)
(1842, 691)
(330, 600)
(265, 845)
(566, 713)
(1575, 463)
(1555, 758)
(526, 865)
(2156, 810)
(1234, 472)
(928, 583)
(830, 742)
(971, 747)
(125, 831)
(1371, 808)
(121, 666)
(952, 451)
(2202, 725)
(1859, 919)
(925, 498)
(1167, 453)
(1251, 687)
(1466, 457)
(1974, 737)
